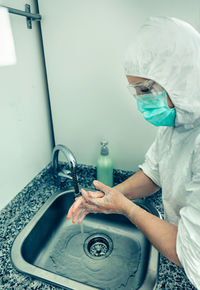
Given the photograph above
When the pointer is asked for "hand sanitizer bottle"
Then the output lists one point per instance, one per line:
(105, 166)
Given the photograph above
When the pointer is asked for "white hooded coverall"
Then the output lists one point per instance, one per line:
(167, 50)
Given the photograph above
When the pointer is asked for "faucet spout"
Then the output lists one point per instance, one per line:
(72, 164)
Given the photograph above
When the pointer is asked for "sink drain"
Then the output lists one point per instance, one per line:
(98, 246)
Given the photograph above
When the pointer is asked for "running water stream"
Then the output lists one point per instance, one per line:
(82, 228)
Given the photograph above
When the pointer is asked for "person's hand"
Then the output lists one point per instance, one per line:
(107, 200)
(77, 209)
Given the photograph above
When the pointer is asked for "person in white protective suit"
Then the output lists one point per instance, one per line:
(163, 71)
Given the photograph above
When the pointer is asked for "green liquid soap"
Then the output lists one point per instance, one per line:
(105, 166)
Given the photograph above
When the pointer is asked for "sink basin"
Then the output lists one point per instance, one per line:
(104, 252)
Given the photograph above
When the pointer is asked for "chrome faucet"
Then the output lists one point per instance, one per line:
(63, 174)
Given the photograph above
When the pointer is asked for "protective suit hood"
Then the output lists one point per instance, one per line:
(167, 50)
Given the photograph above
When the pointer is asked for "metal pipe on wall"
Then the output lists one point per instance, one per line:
(27, 13)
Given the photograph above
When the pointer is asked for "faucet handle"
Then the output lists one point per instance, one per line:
(65, 174)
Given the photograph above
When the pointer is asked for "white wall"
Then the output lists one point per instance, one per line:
(85, 42)
(25, 146)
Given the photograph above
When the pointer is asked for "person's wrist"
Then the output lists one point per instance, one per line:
(126, 206)
(118, 187)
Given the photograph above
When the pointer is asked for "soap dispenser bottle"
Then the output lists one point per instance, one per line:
(105, 165)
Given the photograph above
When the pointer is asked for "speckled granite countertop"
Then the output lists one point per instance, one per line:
(24, 206)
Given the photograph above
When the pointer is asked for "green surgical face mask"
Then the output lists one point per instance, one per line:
(155, 109)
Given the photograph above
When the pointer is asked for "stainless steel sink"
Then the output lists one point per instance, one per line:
(104, 252)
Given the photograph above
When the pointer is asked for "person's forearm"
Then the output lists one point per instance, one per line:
(136, 186)
(159, 232)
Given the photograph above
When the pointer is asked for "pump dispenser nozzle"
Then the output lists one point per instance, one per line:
(104, 148)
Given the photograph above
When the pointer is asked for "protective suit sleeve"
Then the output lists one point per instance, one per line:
(188, 237)
(151, 167)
